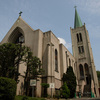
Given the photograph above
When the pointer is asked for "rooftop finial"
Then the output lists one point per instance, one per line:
(20, 13)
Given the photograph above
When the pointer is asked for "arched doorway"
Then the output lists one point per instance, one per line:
(81, 71)
(87, 75)
(86, 69)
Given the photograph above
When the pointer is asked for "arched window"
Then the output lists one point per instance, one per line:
(80, 36)
(56, 60)
(86, 69)
(69, 62)
(15, 35)
(81, 71)
(77, 37)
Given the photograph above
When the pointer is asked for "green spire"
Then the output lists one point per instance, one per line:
(77, 21)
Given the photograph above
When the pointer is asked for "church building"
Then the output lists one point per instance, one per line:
(56, 58)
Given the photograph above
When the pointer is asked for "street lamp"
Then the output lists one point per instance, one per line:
(21, 40)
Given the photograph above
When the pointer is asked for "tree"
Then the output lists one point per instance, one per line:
(45, 86)
(33, 70)
(70, 78)
(65, 92)
(98, 75)
(11, 55)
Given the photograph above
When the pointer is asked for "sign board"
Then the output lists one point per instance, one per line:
(32, 82)
(52, 85)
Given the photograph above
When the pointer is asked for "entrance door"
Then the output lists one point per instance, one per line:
(87, 80)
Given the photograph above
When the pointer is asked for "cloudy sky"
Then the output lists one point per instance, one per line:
(54, 15)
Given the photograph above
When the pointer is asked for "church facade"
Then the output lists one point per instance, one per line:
(56, 58)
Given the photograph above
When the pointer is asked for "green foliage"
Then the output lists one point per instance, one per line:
(57, 94)
(70, 78)
(25, 98)
(98, 75)
(65, 92)
(33, 70)
(33, 64)
(11, 55)
(7, 89)
(45, 85)
(28, 98)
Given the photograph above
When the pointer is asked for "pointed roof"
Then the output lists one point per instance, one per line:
(77, 21)
(21, 20)
(23, 27)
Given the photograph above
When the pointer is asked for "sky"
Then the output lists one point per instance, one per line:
(55, 15)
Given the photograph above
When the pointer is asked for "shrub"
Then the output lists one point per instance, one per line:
(70, 79)
(25, 98)
(65, 92)
(45, 86)
(57, 94)
(7, 89)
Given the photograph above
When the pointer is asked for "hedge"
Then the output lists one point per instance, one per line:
(7, 88)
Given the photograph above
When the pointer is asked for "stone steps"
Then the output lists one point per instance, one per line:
(87, 91)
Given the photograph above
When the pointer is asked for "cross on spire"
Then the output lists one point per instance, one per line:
(75, 7)
(20, 13)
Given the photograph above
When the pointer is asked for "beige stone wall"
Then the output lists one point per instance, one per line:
(50, 43)
(56, 42)
(65, 55)
(46, 51)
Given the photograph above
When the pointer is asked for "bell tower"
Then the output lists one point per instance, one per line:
(82, 51)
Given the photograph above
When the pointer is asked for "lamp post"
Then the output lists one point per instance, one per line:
(21, 40)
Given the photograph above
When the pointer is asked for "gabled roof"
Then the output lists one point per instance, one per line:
(22, 27)
(77, 21)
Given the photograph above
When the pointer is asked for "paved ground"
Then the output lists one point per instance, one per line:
(77, 99)
(85, 99)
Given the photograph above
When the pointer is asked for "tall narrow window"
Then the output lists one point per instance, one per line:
(66, 60)
(77, 37)
(81, 49)
(69, 62)
(56, 60)
(80, 36)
